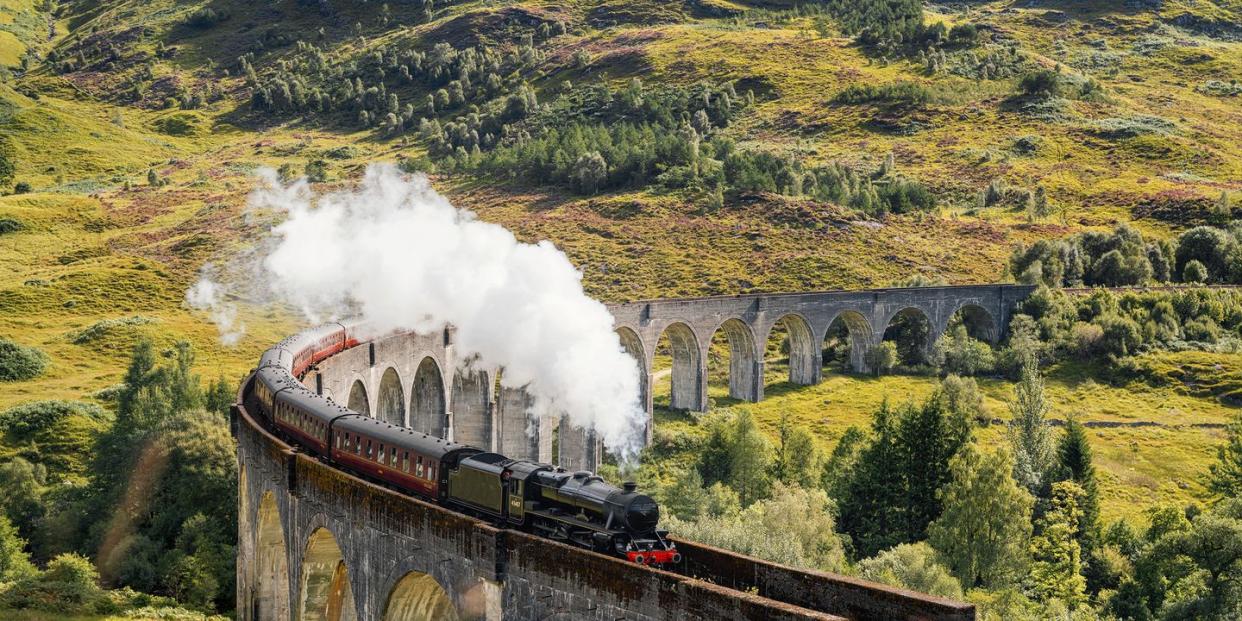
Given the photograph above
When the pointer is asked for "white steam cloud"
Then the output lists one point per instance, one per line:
(398, 254)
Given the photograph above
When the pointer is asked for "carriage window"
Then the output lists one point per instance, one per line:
(369, 453)
(431, 471)
(358, 445)
(338, 440)
(381, 455)
(405, 461)
(392, 456)
(419, 470)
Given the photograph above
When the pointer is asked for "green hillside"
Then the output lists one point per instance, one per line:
(669, 148)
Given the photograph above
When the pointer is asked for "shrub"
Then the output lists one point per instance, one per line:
(317, 171)
(1194, 272)
(9, 225)
(70, 584)
(881, 358)
(955, 352)
(104, 327)
(21, 187)
(18, 362)
(1043, 83)
(30, 418)
(896, 93)
(206, 18)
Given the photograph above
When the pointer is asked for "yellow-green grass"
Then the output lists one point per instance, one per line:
(1139, 466)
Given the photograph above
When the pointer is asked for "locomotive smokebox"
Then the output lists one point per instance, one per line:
(629, 486)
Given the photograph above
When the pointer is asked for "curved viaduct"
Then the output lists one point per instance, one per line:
(317, 543)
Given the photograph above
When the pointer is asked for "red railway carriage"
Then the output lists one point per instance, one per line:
(312, 346)
(401, 456)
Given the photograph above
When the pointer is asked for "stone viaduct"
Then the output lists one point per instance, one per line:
(317, 543)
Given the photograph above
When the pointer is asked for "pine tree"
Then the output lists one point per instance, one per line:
(926, 443)
(985, 527)
(871, 511)
(1056, 568)
(1029, 432)
(1074, 455)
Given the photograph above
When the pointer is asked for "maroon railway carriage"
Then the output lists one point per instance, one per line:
(406, 458)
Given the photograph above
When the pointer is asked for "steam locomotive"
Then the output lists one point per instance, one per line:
(578, 508)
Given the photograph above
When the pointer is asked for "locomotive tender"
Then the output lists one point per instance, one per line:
(578, 508)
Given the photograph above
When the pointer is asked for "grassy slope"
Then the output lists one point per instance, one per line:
(94, 251)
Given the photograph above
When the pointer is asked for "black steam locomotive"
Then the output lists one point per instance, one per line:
(579, 508)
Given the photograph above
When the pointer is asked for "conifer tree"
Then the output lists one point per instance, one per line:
(1074, 455)
(749, 460)
(871, 511)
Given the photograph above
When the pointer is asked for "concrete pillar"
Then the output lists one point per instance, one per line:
(577, 448)
(756, 389)
(745, 357)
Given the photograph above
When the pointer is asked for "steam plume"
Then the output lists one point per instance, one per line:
(401, 256)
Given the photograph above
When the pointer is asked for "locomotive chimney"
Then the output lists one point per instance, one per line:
(629, 486)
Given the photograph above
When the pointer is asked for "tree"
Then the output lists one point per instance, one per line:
(956, 352)
(927, 441)
(986, 523)
(881, 357)
(1209, 246)
(1225, 476)
(1075, 460)
(839, 467)
(590, 172)
(8, 160)
(750, 459)
(1028, 431)
(911, 566)
(797, 459)
(685, 498)
(14, 562)
(871, 507)
(1056, 556)
(1194, 272)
